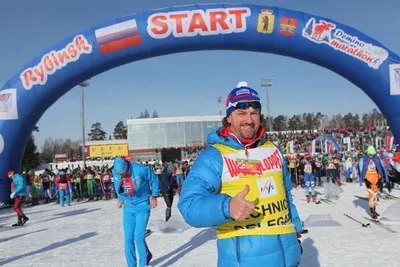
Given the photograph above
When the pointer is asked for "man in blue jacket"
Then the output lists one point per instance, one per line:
(241, 185)
(132, 183)
(19, 193)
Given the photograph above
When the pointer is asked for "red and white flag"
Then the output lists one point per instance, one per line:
(118, 36)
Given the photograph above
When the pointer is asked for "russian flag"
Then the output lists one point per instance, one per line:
(118, 36)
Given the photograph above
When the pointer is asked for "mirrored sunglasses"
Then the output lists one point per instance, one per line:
(246, 105)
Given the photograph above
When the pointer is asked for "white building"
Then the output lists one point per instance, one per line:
(148, 137)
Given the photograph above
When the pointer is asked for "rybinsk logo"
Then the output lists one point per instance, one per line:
(198, 22)
(55, 60)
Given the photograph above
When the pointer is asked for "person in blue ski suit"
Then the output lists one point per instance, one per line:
(179, 179)
(349, 160)
(309, 178)
(203, 202)
(132, 183)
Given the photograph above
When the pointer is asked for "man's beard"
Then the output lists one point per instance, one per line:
(248, 131)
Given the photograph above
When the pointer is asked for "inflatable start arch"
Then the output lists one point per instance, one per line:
(40, 83)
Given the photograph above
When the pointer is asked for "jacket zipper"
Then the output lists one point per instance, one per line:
(280, 244)
(238, 250)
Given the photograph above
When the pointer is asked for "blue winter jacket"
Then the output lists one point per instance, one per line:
(379, 166)
(166, 181)
(202, 205)
(19, 185)
(142, 178)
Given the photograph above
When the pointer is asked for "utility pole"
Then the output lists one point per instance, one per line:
(83, 85)
(266, 83)
(219, 106)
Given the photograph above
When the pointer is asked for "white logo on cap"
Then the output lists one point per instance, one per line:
(243, 92)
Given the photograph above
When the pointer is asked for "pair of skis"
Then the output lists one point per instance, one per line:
(389, 197)
(327, 201)
(322, 200)
(374, 221)
(386, 197)
(363, 224)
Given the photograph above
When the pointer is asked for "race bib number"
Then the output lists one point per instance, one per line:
(371, 166)
(331, 165)
(126, 187)
(318, 164)
(308, 168)
(62, 186)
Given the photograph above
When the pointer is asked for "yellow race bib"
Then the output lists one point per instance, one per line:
(308, 167)
(262, 171)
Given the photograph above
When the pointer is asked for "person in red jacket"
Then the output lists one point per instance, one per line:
(62, 181)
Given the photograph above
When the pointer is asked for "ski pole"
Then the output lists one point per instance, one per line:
(363, 224)
(305, 231)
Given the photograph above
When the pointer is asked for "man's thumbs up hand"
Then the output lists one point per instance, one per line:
(239, 207)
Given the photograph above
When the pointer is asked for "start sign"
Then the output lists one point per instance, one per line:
(194, 22)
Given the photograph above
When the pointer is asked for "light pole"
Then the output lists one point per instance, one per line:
(83, 85)
(267, 82)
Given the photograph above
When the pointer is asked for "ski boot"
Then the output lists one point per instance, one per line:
(24, 219)
(314, 199)
(167, 214)
(19, 221)
(374, 214)
(308, 199)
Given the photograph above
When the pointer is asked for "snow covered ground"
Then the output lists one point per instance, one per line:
(90, 234)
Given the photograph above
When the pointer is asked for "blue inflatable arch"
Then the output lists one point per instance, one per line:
(342, 49)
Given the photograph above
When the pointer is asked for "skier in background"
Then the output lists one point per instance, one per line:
(373, 172)
(63, 180)
(166, 187)
(19, 193)
(309, 178)
(179, 179)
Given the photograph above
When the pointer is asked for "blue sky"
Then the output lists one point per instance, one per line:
(174, 84)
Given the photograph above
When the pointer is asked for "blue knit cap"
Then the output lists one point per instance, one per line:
(242, 93)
